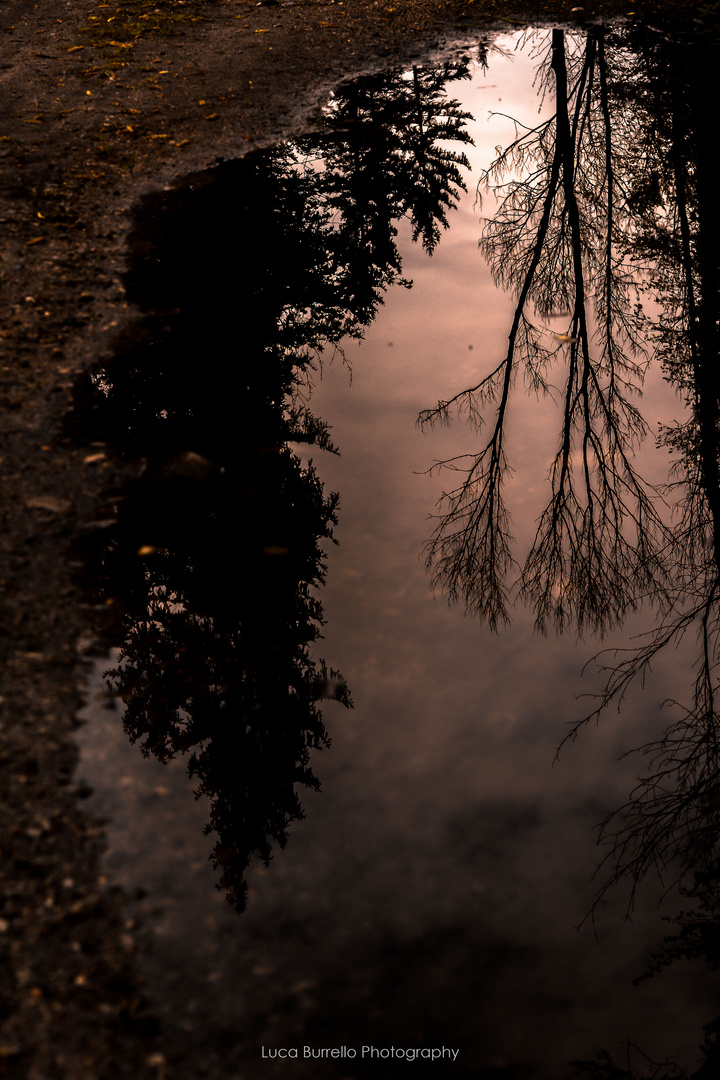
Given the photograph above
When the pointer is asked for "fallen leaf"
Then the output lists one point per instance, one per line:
(48, 502)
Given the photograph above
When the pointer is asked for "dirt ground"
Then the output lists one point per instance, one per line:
(100, 103)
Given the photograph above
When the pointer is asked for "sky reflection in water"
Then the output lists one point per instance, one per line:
(432, 894)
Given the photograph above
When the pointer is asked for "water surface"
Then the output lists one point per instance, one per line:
(433, 894)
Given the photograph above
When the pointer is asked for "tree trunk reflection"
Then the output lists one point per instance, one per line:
(604, 206)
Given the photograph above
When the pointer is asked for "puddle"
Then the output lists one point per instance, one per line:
(431, 896)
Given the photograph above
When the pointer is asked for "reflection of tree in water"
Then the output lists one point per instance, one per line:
(610, 201)
(245, 274)
(584, 565)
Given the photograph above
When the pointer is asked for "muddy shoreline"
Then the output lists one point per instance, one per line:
(101, 104)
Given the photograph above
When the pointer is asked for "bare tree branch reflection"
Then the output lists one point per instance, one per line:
(599, 546)
(610, 200)
(671, 818)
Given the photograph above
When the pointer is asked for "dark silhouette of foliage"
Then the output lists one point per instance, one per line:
(604, 1068)
(698, 936)
(243, 276)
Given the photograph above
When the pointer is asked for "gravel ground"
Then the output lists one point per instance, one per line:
(101, 103)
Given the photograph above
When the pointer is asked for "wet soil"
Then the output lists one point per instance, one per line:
(101, 103)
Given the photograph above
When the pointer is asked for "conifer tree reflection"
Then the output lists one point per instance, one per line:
(609, 199)
(252, 270)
